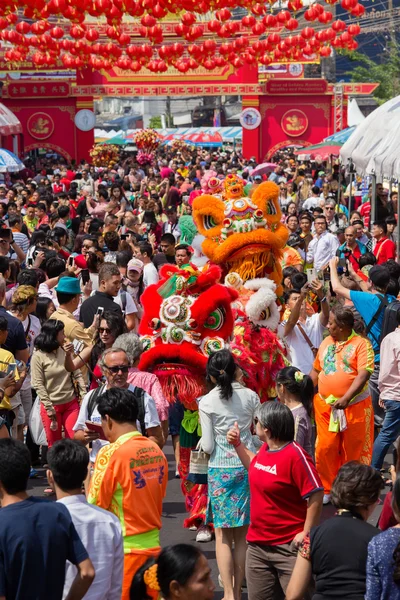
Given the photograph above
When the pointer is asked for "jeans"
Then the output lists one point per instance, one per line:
(388, 434)
(373, 386)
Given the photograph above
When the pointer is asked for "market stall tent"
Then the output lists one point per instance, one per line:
(374, 147)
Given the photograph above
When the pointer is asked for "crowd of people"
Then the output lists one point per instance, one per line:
(78, 246)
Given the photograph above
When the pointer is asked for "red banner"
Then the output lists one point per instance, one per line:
(40, 89)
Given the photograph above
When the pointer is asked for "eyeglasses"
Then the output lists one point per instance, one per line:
(117, 369)
(104, 330)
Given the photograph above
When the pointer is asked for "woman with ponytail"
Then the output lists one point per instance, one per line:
(296, 390)
(179, 572)
(383, 564)
(229, 403)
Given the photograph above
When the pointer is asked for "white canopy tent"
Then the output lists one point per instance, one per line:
(354, 114)
(374, 146)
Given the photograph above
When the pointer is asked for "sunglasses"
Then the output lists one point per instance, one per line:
(117, 369)
(104, 330)
(329, 208)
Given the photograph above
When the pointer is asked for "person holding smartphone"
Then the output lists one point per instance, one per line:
(54, 375)
(304, 333)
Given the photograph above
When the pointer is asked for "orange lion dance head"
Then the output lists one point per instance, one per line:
(246, 234)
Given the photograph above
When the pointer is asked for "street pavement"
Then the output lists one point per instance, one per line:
(174, 514)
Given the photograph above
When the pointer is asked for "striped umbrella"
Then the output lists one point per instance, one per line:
(9, 163)
(9, 124)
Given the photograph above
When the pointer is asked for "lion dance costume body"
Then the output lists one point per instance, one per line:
(245, 236)
(187, 316)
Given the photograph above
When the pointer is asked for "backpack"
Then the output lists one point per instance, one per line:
(123, 301)
(139, 396)
(390, 319)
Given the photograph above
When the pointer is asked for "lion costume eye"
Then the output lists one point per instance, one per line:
(215, 320)
(271, 210)
(208, 222)
(211, 345)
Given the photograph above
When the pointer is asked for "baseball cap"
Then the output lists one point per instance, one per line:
(321, 172)
(135, 265)
(257, 177)
(380, 276)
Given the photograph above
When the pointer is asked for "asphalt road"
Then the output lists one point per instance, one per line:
(174, 515)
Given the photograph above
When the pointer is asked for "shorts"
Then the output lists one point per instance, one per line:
(27, 403)
(175, 416)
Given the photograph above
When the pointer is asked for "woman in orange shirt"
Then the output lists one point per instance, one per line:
(342, 406)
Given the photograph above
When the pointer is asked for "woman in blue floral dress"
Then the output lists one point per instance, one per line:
(229, 496)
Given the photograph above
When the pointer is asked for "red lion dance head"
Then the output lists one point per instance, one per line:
(187, 316)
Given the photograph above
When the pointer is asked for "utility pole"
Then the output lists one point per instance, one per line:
(168, 114)
(393, 48)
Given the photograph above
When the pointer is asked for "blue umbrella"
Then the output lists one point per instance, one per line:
(340, 137)
(9, 162)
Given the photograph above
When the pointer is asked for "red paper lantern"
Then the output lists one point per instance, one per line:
(292, 24)
(247, 21)
(338, 25)
(22, 27)
(57, 33)
(354, 29)
(283, 16)
(325, 17)
(310, 14)
(270, 21)
(358, 10)
(188, 19)
(325, 51)
(223, 14)
(307, 33)
(77, 32)
(274, 38)
(214, 26)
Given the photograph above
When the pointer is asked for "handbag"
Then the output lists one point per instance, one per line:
(198, 467)
(36, 428)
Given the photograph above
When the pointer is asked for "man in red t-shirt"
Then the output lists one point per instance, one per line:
(57, 186)
(384, 249)
(365, 212)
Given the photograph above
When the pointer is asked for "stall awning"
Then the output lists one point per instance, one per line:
(9, 124)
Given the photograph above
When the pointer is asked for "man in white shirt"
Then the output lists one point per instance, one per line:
(150, 273)
(324, 245)
(172, 225)
(115, 364)
(99, 530)
(304, 334)
(313, 200)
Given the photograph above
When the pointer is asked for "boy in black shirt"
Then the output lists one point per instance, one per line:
(37, 537)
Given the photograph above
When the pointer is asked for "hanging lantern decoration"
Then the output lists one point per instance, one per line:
(48, 32)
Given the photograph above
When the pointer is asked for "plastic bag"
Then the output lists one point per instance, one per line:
(36, 425)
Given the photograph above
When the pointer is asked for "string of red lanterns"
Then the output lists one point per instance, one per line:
(215, 43)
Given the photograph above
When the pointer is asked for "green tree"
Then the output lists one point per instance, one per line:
(386, 73)
(155, 123)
